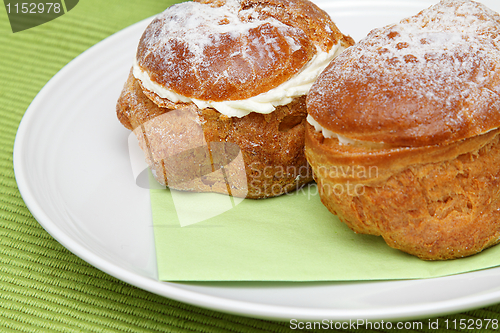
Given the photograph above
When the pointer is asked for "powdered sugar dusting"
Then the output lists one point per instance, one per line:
(200, 25)
(432, 77)
(193, 47)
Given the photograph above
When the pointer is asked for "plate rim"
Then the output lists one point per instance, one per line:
(217, 303)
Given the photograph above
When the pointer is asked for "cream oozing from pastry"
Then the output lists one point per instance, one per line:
(265, 103)
(329, 134)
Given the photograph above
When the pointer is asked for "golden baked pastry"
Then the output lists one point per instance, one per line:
(240, 69)
(403, 132)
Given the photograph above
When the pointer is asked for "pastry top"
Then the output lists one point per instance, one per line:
(224, 50)
(430, 79)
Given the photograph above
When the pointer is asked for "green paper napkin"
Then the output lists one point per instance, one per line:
(213, 237)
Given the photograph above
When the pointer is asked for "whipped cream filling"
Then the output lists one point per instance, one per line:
(329, 134)
(298, 85)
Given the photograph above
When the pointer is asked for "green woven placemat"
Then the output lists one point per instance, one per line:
(44, 287)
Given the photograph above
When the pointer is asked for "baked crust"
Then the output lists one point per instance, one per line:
(420, 100)
(133, 108)
(271, 146)
(431, 79)
(222, 51)
(233, 58)
(436, 202)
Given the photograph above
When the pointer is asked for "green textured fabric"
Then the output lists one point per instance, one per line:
(44, 287)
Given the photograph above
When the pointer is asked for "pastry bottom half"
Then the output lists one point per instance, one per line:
(202, 150)
(436, 202)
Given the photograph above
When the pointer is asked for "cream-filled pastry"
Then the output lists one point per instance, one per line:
(404, 133)
(240, 70)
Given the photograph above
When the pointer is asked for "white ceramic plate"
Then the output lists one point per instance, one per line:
(73, 170)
